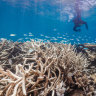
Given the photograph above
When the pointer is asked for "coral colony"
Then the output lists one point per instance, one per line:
(35, 68)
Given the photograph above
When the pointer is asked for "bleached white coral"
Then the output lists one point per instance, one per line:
(60, 89)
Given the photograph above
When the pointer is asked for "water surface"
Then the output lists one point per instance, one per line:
(48, 20)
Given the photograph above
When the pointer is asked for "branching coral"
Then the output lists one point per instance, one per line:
(41, 69)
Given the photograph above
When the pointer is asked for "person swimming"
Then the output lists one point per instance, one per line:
(78, 22)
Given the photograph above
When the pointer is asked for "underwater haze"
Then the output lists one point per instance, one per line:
(47, 20)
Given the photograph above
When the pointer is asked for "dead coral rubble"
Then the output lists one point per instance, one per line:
(42, 69)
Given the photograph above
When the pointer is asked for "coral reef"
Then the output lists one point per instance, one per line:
(90, 52)
(43, 69)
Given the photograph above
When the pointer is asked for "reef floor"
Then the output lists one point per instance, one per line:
(34, 68)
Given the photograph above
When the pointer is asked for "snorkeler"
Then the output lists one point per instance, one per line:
(78, 22)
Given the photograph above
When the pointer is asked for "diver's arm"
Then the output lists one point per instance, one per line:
(75, 29)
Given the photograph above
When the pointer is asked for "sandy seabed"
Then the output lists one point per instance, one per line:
(35, 68)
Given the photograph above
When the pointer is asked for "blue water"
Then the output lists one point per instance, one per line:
(47, 20)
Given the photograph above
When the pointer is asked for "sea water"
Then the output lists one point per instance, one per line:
(47, 20)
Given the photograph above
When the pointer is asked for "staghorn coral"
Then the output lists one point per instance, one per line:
(42, 69)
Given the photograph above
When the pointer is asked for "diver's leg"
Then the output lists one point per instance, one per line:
(86, 25)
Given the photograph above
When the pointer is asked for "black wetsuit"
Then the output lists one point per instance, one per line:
(78, 23)
(77, 20)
